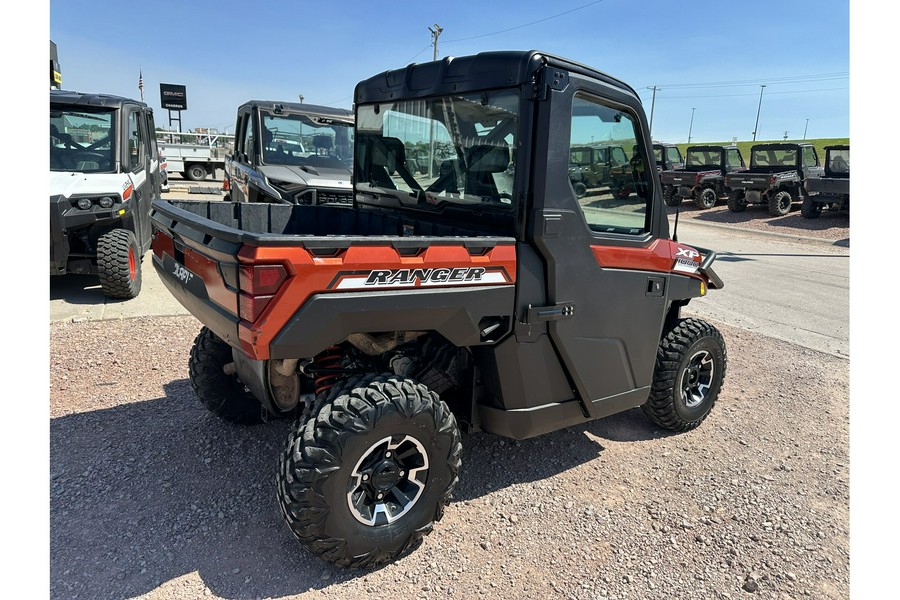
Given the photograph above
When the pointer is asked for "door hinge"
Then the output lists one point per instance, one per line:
(557, 312)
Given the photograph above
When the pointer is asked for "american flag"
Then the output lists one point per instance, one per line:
(141, 84)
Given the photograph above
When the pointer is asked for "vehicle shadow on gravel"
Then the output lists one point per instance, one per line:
(491, 463)
(147, 492)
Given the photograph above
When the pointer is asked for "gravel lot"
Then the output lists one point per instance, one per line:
(831, 225)
(152, 497)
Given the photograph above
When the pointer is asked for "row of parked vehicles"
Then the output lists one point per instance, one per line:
(778, 176)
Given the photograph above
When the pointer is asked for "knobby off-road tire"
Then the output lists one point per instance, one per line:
(119, 264)
(810, 209)
(580, 189)
(706, 199)
(379, 434)
(671, 197)
(222, 394)
(736, 202)
(690, 367)
(780, 204)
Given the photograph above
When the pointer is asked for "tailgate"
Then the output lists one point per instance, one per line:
(758, 181)
(199, 268)
(677, 178)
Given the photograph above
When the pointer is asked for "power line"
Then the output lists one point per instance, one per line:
(754, 94)
(475, 37)
(758, 81)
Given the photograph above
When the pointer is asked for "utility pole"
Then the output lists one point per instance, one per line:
(805, 128)
(785, 135)
(301, 98)
(652, 106)
(435, 34)
(691, 128)
(762, 86)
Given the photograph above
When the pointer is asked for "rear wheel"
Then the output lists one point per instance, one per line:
(810, 208)
(221, 393)
(780, 203)
(737, 202)
(196, 172)
(580, 190)
(706, 198)
(119, 264)
(670, 197)
(690, 368)
(363, 479)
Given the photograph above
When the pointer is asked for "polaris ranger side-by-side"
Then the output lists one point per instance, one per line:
(833, 187)
(290, 153)
(703, 177)
(488, 297)
(776, 177)
(104, 173)
(668, 157)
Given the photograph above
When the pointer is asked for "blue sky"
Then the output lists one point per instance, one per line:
(706, 55)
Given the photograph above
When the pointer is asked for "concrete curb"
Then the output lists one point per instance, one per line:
(785, 236)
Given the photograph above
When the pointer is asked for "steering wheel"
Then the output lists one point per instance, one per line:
(85, 156)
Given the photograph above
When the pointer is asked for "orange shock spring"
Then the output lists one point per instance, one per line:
(329, 359)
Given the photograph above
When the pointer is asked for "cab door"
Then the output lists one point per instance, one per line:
(240, 165)
(605, 263)
(139, 166)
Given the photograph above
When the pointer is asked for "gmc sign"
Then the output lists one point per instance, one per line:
(173, 97)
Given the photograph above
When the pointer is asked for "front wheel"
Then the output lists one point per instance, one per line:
(222, 393)
(690, 368)
(119, 264)
(780, 203)
(364, 479)
(810, 208)
(706, 199)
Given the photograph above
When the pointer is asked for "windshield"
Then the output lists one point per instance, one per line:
(774, 157)
(704, 158)
(439, 152)
(82, 140)
(307, 140)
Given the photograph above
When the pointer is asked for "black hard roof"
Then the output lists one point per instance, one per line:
(297, 107)
(713, 146)
(99, 100)
(838, 147)
(779, 145)
(486, 70)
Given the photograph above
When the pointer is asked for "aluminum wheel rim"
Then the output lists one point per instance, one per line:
(388, 480)
(696, 378)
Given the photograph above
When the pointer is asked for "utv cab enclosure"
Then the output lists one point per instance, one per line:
(833, 187)
(702, 179)
(776, 177)
(104, 173)
(487, 296)
(291, 153)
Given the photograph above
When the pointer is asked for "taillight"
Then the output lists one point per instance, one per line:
(258, 285)
(772, 180)
(698, 178)
(226, 184)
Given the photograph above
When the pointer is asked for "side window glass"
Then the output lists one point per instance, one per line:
(248, 137)
(136, 141)
(734, 158)
(674, 155)
(809, 157)
(614, 193)
(151, 135)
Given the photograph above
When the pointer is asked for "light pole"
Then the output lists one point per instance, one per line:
(762, 86)
(805, 128)
(652, 106)
(691, 128)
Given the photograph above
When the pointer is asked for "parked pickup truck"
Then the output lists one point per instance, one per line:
(291, 153)
(488, 298)
(195, 156)
(776, 178)
(703, 177)
(833, 187)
